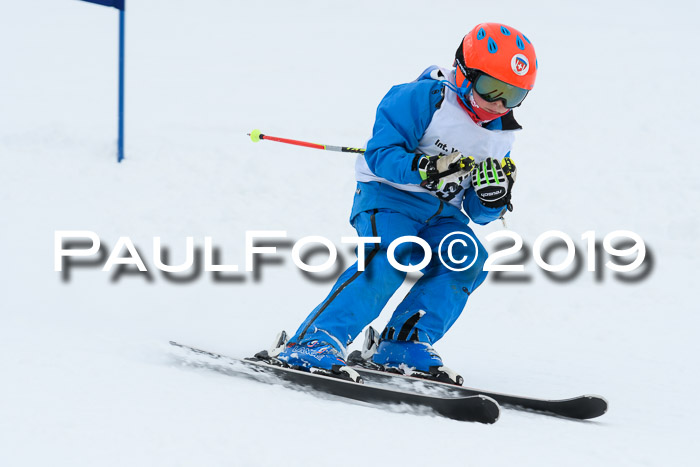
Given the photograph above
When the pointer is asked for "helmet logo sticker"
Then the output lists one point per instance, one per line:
(519, 64)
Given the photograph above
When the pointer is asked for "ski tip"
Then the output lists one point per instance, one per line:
(600, 401)
(582, 407)
(255, 136)
(492, 408)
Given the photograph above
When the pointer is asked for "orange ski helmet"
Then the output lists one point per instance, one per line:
(499, 51)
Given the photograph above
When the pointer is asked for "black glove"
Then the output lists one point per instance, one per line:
(493, 182)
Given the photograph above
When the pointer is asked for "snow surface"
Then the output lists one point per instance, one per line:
(85, 373)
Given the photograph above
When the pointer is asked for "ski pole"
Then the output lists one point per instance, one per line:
(256, 136)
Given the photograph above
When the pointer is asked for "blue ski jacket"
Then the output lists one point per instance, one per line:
(426, 117)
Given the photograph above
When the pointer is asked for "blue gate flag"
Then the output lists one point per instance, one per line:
(118, 4)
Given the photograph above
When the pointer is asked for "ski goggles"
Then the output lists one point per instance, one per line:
(491, 89)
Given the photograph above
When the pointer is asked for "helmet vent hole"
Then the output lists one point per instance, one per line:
(526, 39)
(519, 42)
(505, 31)
(480, 34)
(493, 47)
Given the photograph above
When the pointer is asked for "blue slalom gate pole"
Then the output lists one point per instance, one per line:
(121, 6)
(120, 140)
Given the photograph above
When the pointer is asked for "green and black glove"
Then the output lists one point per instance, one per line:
(493, 182)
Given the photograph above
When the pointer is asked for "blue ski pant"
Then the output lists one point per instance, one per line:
(434, 302)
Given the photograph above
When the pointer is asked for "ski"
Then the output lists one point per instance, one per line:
(463, 407)
(580, 408)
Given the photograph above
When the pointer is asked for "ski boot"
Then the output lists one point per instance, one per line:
(318, 352)
(410, 358)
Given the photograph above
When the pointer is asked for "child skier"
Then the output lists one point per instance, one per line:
(440, 148)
